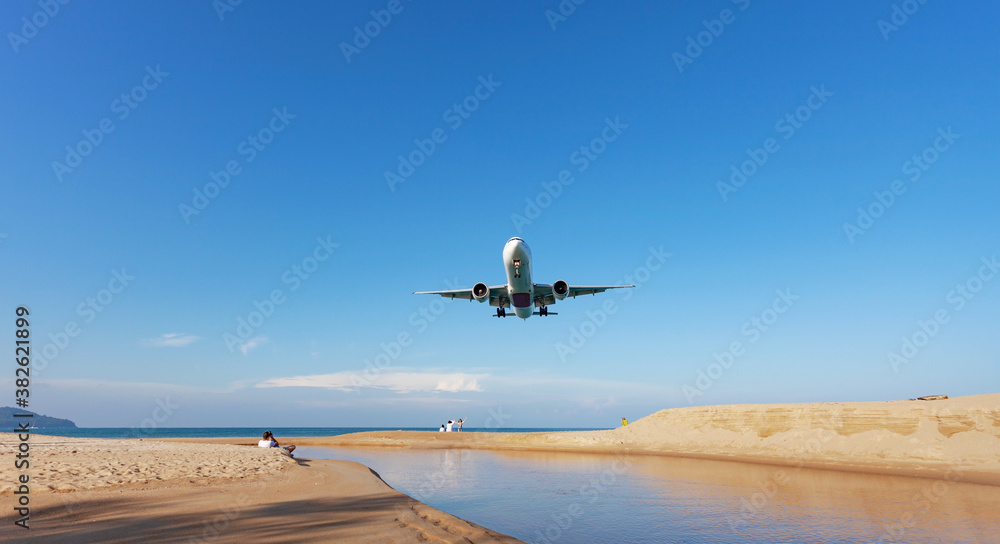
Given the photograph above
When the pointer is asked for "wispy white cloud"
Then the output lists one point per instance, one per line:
(171, 340)
(143, 389)
(398, 381)
(252, 343)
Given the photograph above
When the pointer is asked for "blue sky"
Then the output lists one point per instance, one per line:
(829, 105)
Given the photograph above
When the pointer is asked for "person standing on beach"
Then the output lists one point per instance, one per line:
(448, 428)
(460, 422)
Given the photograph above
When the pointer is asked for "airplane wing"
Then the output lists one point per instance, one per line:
(542, 289)
(496, 291)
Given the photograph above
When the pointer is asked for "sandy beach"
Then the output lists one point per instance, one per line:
(94, 490)
(227, 489)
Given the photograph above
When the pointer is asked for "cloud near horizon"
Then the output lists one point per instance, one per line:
(171, 340)
(400, 382)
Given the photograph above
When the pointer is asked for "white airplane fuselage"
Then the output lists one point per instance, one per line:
(519, 293)
(520, 290)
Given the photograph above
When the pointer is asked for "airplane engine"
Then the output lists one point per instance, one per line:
(560, 289)
(481, 292)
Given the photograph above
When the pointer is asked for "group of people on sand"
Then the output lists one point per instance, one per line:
(268, 441)
(452, 426)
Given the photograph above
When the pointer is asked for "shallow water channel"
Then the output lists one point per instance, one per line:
(567, 497)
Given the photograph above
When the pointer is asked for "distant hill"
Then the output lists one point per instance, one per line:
(8, 422)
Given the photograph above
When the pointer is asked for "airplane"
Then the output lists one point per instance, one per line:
(519, 292)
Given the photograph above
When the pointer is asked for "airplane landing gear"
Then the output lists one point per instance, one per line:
(543, 311)
(501, 312)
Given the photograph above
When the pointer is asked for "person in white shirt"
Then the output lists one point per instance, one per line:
(268, 441)
(449, 426)
(441, 430)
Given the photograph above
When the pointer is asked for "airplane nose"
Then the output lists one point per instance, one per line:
(523, 313)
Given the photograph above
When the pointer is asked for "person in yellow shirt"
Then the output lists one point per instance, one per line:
(624, 422)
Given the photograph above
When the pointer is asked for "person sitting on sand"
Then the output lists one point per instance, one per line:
(624, 422)
(441, 430)
(268, 441)
(449, 426)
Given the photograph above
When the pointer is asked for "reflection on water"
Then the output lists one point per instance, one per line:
(564, 497)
